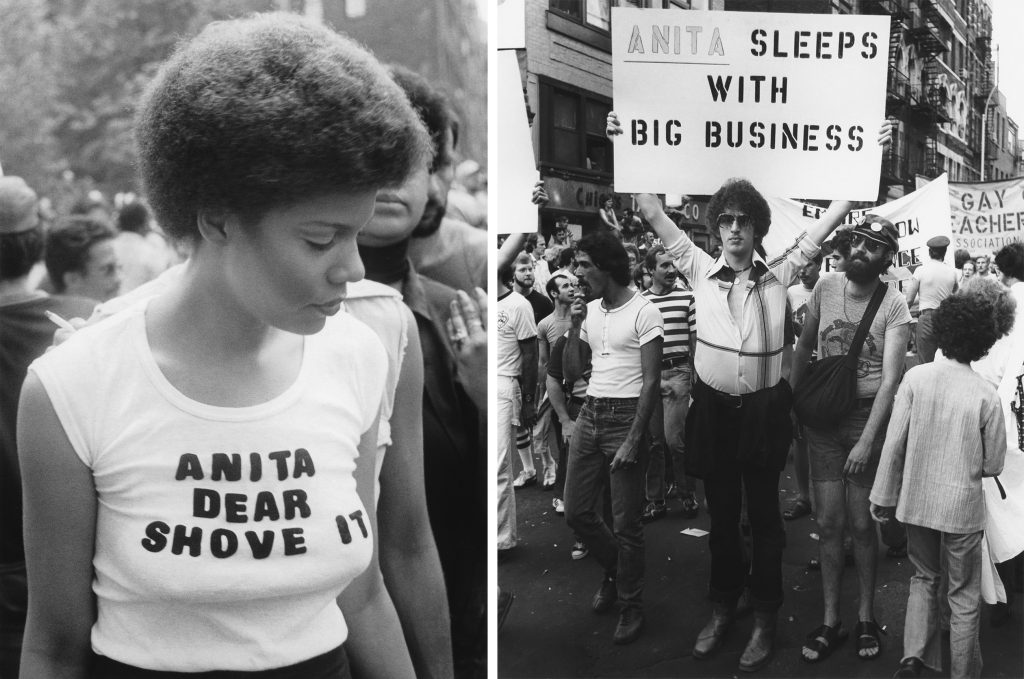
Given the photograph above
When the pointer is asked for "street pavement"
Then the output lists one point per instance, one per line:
(551, 630)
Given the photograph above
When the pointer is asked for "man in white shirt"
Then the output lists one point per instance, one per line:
(623, 332)
(517, 360)
(935, 281)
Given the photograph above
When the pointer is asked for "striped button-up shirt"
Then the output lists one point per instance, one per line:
(744, 358)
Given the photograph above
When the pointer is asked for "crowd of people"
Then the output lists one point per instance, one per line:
(252, 445)
(661, 365)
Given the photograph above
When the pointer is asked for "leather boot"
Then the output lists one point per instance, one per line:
(759, 648)
(711, 636)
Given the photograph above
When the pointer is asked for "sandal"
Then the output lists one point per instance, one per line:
(799, 508)
(868, 636)
(823, 641)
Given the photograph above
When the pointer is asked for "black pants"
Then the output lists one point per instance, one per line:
(330, 665)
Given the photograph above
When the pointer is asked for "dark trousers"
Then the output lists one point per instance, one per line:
(728, 564)
(741, 445)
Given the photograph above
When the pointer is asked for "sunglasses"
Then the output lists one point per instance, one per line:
(725, 221)
(871, 246)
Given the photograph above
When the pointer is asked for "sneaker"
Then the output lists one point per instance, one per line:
(579, 550)
(653, 511)
(559, 505)
(524, 480)
(631, 621)
(605, 597)
(691, 508)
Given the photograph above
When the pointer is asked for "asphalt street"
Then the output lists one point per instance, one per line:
(551, 630)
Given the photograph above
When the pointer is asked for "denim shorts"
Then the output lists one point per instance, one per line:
(828, 449)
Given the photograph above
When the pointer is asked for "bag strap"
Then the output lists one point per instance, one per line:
(865, 323)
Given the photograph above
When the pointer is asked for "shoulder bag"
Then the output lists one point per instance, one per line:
(828, 390)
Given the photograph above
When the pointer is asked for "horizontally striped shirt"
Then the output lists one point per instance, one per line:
(740, 359)
(676, 307)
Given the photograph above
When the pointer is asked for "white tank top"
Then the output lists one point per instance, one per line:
(223, 535)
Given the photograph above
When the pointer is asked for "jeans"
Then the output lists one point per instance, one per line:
(669, 421)
(728, 565)
(921, 633)
(507, 414)
(601, 428)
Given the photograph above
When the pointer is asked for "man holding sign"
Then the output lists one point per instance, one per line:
(738, 431)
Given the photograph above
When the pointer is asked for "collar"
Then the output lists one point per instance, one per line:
(721, 270)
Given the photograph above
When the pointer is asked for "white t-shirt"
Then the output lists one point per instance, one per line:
(515, 323)
(937, 281)
(223, 535)
(615, 338)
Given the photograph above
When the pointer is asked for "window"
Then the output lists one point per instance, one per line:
(594, 13)
(572, 128)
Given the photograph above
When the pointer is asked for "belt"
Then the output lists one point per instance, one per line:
(865, 402)
(673, 361)
(576, 401)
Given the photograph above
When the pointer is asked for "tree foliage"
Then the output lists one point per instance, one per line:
(72, 72)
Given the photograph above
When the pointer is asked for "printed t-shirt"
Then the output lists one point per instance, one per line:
(223, 535)
(515, 323)
(839, 315)
(615, 337)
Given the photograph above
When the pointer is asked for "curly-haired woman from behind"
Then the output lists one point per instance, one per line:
(946, 432)
(199, 468)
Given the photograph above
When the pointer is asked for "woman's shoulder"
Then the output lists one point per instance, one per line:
(94, 347)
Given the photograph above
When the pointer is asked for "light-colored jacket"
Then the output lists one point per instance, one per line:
(946, 432)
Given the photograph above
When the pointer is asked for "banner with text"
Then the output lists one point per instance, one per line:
(987, 215)
(917, 216)
(792, 102)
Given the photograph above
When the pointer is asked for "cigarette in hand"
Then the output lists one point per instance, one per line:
(59, 322)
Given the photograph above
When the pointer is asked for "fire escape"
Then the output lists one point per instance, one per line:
(898, 86)
(984, 81)
(929, 97)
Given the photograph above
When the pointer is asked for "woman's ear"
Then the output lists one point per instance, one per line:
(212, 224)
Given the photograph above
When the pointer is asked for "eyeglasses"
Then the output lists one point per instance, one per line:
(725, 221)
(872, 246)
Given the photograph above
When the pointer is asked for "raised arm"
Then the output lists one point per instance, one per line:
(409, 560)
(60, 533)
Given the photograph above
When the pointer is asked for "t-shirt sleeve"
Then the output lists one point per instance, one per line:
(899, 312)
(649, 323)
(522, 321)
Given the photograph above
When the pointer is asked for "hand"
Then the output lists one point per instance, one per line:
(858, 459)
(612, 126)
(885, 132)
(882, 514)
(625, 456)
(527, 415)
(578, 310)
(540, 196)
(62, 335)
(649, 204)
(468, 338)
(568, 428)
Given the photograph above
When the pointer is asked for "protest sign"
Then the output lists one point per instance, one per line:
(510, 19)
(792, 102)
(987, 215)
(917, 216)
(517, 172)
